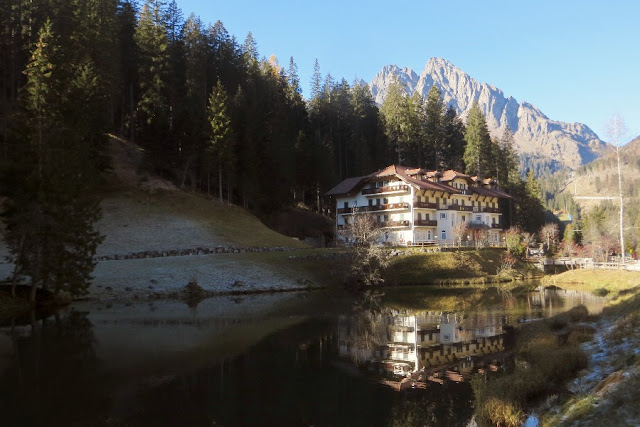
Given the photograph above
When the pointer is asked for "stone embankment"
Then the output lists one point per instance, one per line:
(187, 252)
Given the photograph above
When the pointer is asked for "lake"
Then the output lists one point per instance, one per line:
(318, 358)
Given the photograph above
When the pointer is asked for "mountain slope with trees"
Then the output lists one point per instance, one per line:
(208, 113)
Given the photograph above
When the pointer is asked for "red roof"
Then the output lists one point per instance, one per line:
(350, 185)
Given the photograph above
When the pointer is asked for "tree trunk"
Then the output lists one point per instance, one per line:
(220, 183)
(621, 205)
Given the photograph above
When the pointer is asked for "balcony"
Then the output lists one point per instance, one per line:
(496, 226)
(486, 209)
(466, 192)
(460, 208)
(425, 223)
(425, 205)
(388, 224)
(375, 208)
(388, 189)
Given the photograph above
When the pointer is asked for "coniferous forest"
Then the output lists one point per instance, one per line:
(212, 116)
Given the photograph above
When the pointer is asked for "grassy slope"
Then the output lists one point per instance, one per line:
(144, 212)
(448, 267)
(137, 220)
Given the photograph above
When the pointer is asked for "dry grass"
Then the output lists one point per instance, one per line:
(543, 362)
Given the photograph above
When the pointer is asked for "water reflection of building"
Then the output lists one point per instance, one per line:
(418, 345)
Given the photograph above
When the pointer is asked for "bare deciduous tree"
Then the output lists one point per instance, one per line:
(369, 259)
(617, 131)
(549, 234)
(459, 230)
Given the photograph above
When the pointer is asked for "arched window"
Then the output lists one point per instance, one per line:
(444, 235)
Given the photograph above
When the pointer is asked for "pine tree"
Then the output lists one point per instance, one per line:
(51, 210)
(293, 79)
(220, 123)
(395, 113)
(453, 139)
(477, 155)
(152, 43)
(507, 161)
(316, 81)
(250, 47)
(434, 129)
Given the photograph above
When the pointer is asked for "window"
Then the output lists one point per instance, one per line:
(346, 205)
(385, 201)
(455, 202)
(444, 235)
(386, 218)
(464, 218)
(378, 202)
(370, 202)
(478, 218)
(419, 216)
(429, 235)
(443, 216)
(426, 216)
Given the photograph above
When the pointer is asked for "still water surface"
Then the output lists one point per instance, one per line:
(322, 358)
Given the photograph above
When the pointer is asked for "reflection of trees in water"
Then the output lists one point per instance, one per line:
(53, 378)
(367, 326)
(441, 405)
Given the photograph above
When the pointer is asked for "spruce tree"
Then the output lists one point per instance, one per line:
(50, 208)
(453, 139)
(477, 155)
(434, 130)
(152, 44)
(395, 112)
(220, 128)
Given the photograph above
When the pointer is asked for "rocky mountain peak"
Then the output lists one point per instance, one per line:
(570, 144)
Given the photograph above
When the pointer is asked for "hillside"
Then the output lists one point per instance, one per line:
(551, 142)
(143, 213)
(597, 181)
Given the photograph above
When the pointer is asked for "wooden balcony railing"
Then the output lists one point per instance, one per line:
(375, 208)
(425, 205)
(486, 209)
(425, 223)
(403, 223)
(460, 208)
(388, 189)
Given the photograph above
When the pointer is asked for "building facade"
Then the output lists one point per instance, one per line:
(415, 206)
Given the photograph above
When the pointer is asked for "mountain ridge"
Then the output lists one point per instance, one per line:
(536, 135)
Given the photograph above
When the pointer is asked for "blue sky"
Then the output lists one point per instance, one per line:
(577, 61)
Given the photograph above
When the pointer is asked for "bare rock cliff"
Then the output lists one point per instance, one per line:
(570, 144)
